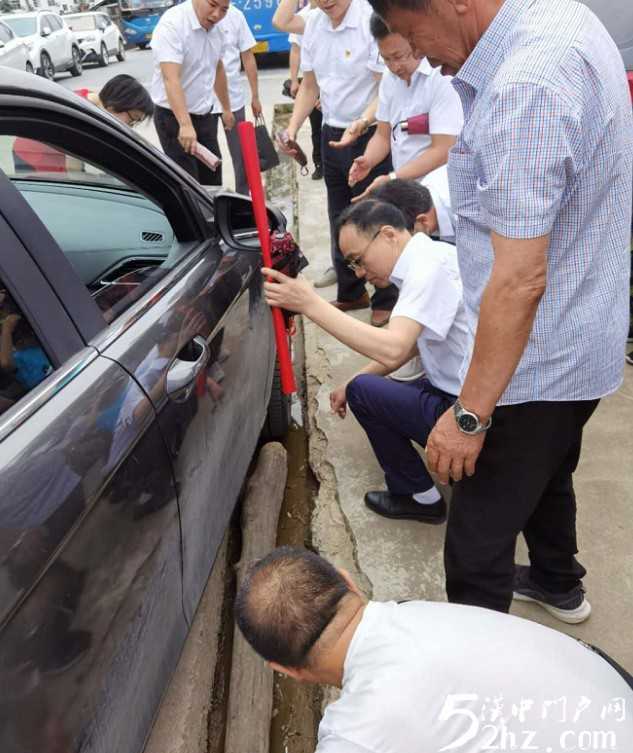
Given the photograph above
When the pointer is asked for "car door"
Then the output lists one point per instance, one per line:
(109, 33)
(183, 315)
(60, 49)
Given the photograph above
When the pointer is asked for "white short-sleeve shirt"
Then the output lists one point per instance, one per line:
(429, 92)
(298, 38)
(238, 38)
(437, 183)
(420, 676)
(427, 276)
(344, 61)
(180, 38)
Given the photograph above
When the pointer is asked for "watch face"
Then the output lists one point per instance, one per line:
(467, 422)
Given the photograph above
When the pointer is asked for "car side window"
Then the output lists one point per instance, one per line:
(117, 240)
(23, 362)
(56, 23)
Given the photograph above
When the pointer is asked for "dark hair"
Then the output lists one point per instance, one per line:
(286, 601)
(379, 29)
(124, 93)
(370, 214)
(409, 196)
(382, 7)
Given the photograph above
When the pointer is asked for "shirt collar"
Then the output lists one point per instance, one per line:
(407, 258)
(488, 54)
(350, 20)
(424, 68)
(192, 17)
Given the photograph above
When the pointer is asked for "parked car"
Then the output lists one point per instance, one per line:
(97, 37)
(13, 51)
(52, 48)
(137, 364)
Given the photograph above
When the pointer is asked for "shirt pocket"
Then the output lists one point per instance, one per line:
(463, 183)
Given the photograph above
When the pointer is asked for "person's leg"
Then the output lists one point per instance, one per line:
(392, 414)
(207, 131)
(233, 140)
(523, 452)
(550, 532)
(336, 164)
(316, 121)
(167, 129)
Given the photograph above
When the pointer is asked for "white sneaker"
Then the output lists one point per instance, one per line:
(327, 278)
(409, 371)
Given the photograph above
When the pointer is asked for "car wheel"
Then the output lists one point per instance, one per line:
(76, 68)
(120, 55)
(29, 68)
(103, 59)
(278, 416)
(142, 45)
(47, 69)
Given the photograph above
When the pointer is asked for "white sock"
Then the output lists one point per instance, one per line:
(429, 497)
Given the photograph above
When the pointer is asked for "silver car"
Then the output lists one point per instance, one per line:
(13, 51)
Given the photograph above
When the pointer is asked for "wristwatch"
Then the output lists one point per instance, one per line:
(365, 123)
(469, 422)
(392, 175)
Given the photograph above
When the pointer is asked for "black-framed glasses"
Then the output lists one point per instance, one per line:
(356, 262)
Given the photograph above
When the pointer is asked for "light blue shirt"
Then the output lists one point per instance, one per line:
(547, 147)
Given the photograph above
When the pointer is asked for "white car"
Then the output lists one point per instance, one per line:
(13, 51)
(97, 37)
(52, 47)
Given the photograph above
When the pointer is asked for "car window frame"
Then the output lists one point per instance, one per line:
(4, 28)
(94, 136)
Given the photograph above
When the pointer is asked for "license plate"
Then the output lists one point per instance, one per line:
(260, 47)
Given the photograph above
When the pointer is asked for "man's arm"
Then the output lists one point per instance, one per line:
(222, 90)
(250, 68)
(178, 104)
(304, 103)
(356, 129)
(287, 19)
(294, 60)
(377, 149)
(430, 159)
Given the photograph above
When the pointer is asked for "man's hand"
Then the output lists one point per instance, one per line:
(187, 137)
(228, 120)
(282, 138)
(294, 87)
(351, 134)
(286, 293)
(338, 401)
(256, 106)
(449, 452)
(371, 187)
(358, 171)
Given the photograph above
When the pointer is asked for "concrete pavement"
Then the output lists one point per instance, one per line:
(403, 559)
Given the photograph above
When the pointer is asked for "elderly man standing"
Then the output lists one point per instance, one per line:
(541, 185)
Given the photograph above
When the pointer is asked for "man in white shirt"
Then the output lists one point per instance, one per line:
(423, 677)
(187, 48)
(410, 87)
(437, 183)
(238, 47)
(428, 318)
(341, 66)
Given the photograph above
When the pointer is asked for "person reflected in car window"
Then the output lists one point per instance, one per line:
(123, 97)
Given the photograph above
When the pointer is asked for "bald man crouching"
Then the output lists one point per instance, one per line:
(423, 677)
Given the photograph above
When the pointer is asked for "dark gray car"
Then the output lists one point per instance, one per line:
(137, 361)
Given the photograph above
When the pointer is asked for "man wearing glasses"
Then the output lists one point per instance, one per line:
(377, 243)
(410, 87)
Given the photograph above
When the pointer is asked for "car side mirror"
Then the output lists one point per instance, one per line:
(46, 32)
(235, 221)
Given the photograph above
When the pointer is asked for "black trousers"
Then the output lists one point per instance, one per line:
(316, 122)
(522, 483)
(206, 127)
(336, 166)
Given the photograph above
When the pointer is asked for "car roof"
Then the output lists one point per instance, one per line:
(85, 13)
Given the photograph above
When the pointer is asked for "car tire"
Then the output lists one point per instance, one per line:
(120, 55)
(29, 67)
(142, 45)
(278, 415)
(47, 69)
(76, 68)
(103, 58)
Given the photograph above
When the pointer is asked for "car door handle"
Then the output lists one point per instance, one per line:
(184, 373)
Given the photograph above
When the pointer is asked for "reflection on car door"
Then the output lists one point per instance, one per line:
(59, 45)
(11, 51)
(91, 619)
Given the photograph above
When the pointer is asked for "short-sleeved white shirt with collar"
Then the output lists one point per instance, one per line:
(238, 38)
(298, 38)
(427, 276)
(429, 92)
(344, 61)
(180, 38)
(437, 183)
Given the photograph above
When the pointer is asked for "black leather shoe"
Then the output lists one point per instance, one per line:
(405, 507)
(318, 172)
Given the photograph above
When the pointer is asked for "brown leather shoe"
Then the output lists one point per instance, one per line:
(358, 303)
(379, 317)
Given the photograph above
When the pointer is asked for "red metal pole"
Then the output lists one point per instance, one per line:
(246, 132)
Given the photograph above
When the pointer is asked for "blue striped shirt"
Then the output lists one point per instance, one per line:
(547, 147)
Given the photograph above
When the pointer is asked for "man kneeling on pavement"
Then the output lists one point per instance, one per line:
(421, 677)
(377, 243)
